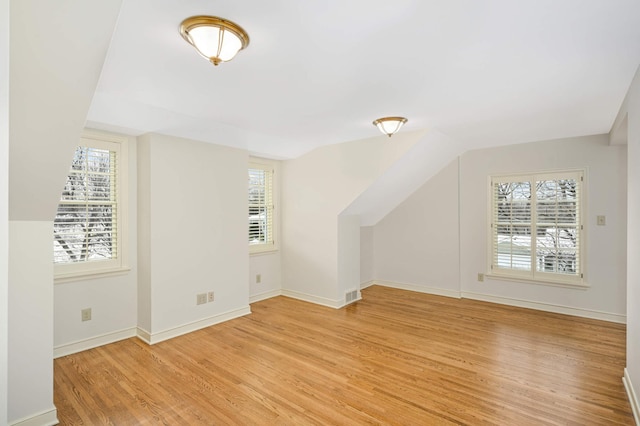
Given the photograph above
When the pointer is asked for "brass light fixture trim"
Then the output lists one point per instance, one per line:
(389, 125)
(216, 39)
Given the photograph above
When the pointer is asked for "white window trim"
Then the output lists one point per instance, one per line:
(100, 269)
(541, 278)
(270, 165)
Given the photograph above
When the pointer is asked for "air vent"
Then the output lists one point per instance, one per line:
(351, 296)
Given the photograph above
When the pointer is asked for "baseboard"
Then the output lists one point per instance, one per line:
(264, 295)
(631, 394)
(46, 418)
(161, 336)
(547, 307)
(367, 284)
(419, 288)
(336, 304)
(93, 342)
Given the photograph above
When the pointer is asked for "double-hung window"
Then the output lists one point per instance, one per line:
(261, 208)
(88, 228)
(536, 227)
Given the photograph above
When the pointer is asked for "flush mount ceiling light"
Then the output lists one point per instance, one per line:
(389, 125)
(216, 39)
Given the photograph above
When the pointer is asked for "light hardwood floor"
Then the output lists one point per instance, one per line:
(395, 357)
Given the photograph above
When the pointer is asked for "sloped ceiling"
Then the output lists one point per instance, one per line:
(319, 72)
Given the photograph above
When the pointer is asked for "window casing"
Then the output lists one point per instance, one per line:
(261, 223)
(90, 224)
(536, 227)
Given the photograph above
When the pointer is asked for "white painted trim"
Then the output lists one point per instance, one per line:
(93, 342)
(336, 304)
(153, 338)
(367, 284)
(631, 394)
(264, 295)
(547, 307)
(45, 418)
(419, 288)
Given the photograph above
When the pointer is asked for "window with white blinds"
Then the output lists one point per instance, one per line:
(261, 208)
(536, 227)
(87, 227)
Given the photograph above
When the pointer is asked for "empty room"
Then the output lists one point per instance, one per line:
(325, 213)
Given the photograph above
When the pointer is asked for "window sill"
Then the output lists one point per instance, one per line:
(262, 252)
(575, 286)
(90, 275)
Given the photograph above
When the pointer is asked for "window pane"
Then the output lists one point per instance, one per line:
(512, 229)
(556, 227)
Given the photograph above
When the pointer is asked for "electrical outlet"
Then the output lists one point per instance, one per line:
(480, 277)
(258, 279)
(201, 299)
(86, 314)
(210, 296)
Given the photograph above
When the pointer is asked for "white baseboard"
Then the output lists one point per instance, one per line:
(46, 418)
(419, 288)
(264, 295)
(631, 394)
(547, 307)
(153, 338)
(336, 304)
(367, 284)
(93, 342)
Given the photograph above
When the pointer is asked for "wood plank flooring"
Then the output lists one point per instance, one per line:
(395, 357)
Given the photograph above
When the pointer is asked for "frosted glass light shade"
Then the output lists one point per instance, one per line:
(216, 39)
(389, 125)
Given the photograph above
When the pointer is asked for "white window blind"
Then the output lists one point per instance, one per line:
(536, 226)
(261, 208)
(85, 228)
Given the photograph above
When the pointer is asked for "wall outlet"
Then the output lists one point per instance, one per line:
(210, 297)
(480, 277)
(201, 299)
(86, 314)
(258, 279)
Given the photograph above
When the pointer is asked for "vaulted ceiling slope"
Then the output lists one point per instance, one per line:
(320, 72)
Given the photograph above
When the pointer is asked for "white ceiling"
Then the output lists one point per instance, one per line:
(319, 72)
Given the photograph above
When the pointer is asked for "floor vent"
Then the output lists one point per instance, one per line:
(351, 296)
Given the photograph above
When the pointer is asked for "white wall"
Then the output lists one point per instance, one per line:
(194, 235)
(269, 267)
(416, 245)
(53, 73)
(113, 300)
(367, 259)
(4, 203)
(633, 246)
(317, 187)
(423, 245)
(30, 325)
(605, 262)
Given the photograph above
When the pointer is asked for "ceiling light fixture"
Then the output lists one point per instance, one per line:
(216, 39)
(389, 125)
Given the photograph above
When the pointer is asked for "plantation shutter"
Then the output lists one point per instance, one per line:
(558, 224)
(86, 224)
(260, 206)
(536, 226)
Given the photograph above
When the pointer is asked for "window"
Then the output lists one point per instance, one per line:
(261, 208)
(89, 224)
(536, 227)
